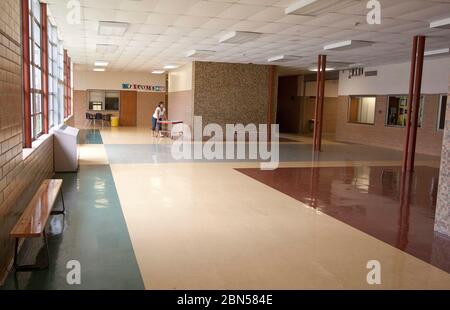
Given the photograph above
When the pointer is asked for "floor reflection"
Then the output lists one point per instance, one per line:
(376, 200)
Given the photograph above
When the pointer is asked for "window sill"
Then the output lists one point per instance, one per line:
(35, 145)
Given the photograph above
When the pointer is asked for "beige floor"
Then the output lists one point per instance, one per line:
(206, 226)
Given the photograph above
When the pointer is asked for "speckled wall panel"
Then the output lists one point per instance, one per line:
(19, 178)
(443, 201)
(429, 139)
(227, 93)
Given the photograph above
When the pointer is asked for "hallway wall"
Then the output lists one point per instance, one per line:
(21, 172)
(181, 94)
(442, 224)
(429, 139)
(226, 93)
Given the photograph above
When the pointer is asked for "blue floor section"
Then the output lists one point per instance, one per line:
(90, 136)
(92, 232)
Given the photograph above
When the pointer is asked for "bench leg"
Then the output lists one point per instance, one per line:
(64, 207)
(28, 268)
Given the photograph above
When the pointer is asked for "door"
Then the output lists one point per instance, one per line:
(128, 108)
(288, 110)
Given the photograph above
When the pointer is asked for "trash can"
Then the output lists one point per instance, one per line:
(114, 121)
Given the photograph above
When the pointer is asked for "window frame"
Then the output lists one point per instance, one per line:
(421, 117)
(349, 106)
(440, 112)
(34, 92)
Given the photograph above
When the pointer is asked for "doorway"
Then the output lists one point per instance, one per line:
(288, 112)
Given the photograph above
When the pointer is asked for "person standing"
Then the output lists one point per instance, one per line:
(158, 116)
(156, 126)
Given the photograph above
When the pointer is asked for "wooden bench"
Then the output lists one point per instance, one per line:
(33, 222)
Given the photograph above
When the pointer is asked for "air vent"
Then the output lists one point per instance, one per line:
(371, 73)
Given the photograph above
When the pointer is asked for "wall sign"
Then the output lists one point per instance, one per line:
(157, 89)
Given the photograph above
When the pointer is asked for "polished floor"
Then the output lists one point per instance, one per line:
(163, 224)
(371, 200)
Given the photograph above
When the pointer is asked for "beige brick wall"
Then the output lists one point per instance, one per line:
(429, 139)
(19, 178)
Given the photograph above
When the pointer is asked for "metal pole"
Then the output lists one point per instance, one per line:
(316, 109)
(416, 103)
(322, 101)
(410, 103)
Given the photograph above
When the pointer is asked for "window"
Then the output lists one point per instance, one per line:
(100, 100)
(362, 110)
(61, 85)
(442, 112)
(53, 103)
(398, 111)
(37, 111)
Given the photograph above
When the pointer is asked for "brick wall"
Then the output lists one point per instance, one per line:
(19, 178)
(429, 139)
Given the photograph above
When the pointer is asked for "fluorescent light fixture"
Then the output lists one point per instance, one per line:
(283, 58)
(158, 71)
(327, 69)
(200, 53)
(437, 52)
(317, 7)
(99, 69)
(239, 37)
(107, 48)
(101, 63)
(106, 28)
(170, 67)
(347, 45)
(441, 24)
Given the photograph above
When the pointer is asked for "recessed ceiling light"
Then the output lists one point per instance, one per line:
(99, 69)
(347, 45)
(283, 58)
(170, 67)
(200, 53)
(438, 52)
(158, 71)
(101, 63)
(107, 48)
(442, 23)
(106, 28)
(239, 37)
(317, 7)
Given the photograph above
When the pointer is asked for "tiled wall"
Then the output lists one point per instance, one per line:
(19, 178)
(226, 93)
(443, 200)
(429, 139)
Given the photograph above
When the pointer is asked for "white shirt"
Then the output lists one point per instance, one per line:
(157, 113)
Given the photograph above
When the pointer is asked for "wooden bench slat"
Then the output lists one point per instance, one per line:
(33, 221)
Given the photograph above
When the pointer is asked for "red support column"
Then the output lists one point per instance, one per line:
(26, 73)
(322, 101)
(316, 108)
(44, 49)
(410, 102)
(416, 103)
